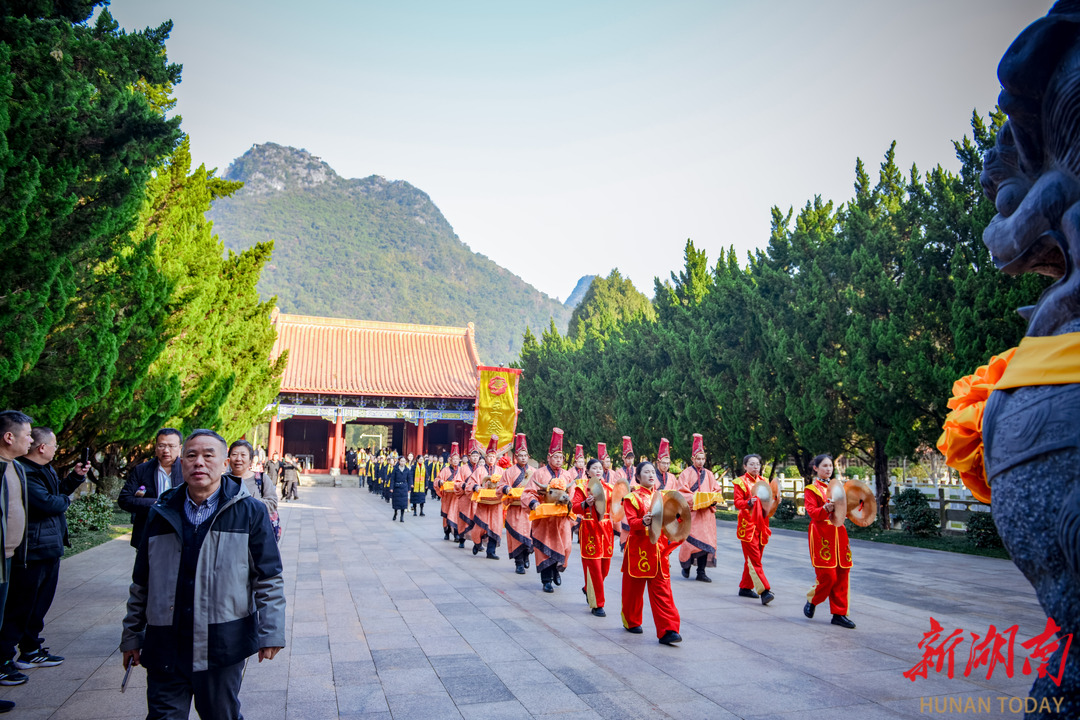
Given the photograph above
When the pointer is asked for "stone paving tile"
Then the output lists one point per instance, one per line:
(389, 622)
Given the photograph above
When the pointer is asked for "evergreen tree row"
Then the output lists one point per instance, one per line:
(843, 335)
(119, 310)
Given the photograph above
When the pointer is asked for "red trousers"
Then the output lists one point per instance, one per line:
(832, 583)
(665, 614)
(595, 573)
(753, 577)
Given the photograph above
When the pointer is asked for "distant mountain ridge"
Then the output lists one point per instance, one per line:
(372, 249)
(579, 291)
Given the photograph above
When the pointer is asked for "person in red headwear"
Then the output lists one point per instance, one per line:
(627, 473)
(518, 540)
(602, 454)
(577, 474)
(597, 538)
(488, 517)
(753, 532)
(551, 534)
(663, 463)
(446, 497)
(464, 484)
(645, 564)
(700, 548)
(830, 553)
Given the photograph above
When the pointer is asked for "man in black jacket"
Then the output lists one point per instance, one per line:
(149, 480)
(36, 566)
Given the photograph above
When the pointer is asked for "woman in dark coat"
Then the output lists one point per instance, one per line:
(400, 484)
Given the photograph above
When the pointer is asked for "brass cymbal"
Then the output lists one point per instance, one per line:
(677, 516)
(599, 495)
(836, 495)
(861, 503)
(620, 491)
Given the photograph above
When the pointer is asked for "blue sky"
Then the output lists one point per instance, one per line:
(567, 138)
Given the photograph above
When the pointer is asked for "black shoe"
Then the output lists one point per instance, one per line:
(414, 513)
(702, 577)
(636, 630)
(6, 706)
(767, 597)
(520, 569)
(421, 513)
(10, 675)
(584, 592)
(526, 561)
(558, 578)
(492, 556)
(402, 518)
(808, 609)
(841, 620)
(670, 638)
(686, 573)
(395, 516)
(446, 535)
(599, 612)
(747, 592)
(461, 544)
(476, 549)
(548, 588)
(36, 659)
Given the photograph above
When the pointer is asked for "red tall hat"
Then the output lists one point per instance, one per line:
(601, 451)
(665, 449)
(455, 449)
(475, 446)
(520, 444)
(627, 446)
(493, 444)
(556, 441)
(579, 452)
(699, 445)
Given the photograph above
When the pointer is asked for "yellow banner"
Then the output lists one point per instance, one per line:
(496, 406)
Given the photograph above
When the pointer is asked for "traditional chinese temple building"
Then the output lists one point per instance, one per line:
(419, 380)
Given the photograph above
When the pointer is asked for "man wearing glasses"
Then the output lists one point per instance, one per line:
(149, 480)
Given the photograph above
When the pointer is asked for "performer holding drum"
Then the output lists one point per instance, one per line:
(548, 501)
(702, 492)
(596, 533)
(756, 500)
(444, 488)
(518, 539)
(487, 496)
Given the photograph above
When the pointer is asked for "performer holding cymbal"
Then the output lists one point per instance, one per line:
(829, 551)
(596, 532)
(753, 531)
(645, 564)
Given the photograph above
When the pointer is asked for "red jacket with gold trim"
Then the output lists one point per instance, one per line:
(597, 534)
(828, 543)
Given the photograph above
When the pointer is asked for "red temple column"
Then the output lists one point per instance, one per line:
(339, 440)
(273, 443)
(420, 437)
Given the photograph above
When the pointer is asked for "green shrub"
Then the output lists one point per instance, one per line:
(922, 522)
(787, 509)
(907, 501)
(90, 512)
(982, 530)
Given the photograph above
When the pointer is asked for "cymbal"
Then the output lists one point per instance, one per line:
(656, 526)
(767, 494)
(838, 498)
(620, 491)
(677, 516)
(599, 496)
(861, 503)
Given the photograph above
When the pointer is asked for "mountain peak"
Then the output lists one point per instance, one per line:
(269, 168)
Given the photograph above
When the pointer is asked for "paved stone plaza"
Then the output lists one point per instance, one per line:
(387, 620)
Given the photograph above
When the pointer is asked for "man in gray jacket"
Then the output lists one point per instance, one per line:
(206, 592)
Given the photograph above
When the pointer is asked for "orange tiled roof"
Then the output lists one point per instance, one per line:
(359, 357)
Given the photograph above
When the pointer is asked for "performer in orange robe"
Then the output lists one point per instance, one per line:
(518, 540)
(663, 462)
(605, 459)
(447, 498)
(700, 547)
(645, 564)
(462, 508)
(753, 532)
(829, 551)
(488, 517)
(551, 535)
(597, 539)
(626, 472)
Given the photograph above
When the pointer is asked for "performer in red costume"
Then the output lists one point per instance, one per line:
(829, 551)
(597, 539)
(550, 535)
(663, 462)
(578, 471)
(645, 564)
(462, 508)
(448, 473)
(700, 547)
(626, 472)
(753, 532)
(488, 517)
(518, 539)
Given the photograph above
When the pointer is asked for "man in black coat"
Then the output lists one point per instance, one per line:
(399, 485)
(36, 566)
(149, 480)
